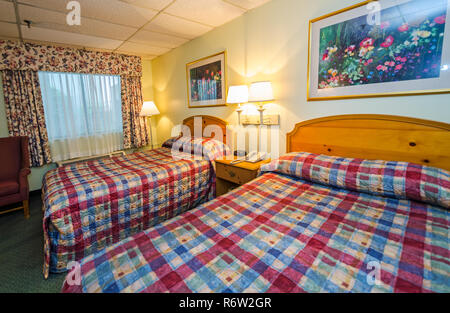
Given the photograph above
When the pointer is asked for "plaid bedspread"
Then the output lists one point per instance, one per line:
(281, 234)
(91, 205)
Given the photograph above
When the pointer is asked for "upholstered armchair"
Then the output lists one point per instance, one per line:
(14, 170)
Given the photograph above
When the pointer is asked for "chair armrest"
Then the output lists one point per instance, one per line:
(25, 152)
(23, 182)
(24, 172)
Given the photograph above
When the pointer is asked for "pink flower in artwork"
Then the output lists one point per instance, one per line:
(440, 19)
(389, 63)
(369, 61)
(381, 68)
(388, 42)
(366, 42)
(399, 67)
(403, 28)
(385, 24)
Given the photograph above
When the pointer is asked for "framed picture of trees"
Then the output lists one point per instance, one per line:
(206, 81)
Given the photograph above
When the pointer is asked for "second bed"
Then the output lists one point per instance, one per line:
(91, 205)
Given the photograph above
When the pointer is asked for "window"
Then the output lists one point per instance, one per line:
(83, 113)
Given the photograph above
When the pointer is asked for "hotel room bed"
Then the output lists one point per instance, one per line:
(91, 205)
(283, 232)
(309, 223)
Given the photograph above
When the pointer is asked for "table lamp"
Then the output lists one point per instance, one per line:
(148, 110)
(261, 92)
(238, 95)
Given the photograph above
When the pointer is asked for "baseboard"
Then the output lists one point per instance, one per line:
(35, 193)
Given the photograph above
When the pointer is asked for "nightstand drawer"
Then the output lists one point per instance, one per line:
(234, 174)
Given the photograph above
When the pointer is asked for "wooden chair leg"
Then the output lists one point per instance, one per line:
(26, 209)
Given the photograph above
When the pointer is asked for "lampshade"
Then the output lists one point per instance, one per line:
(149, 108)
(238, 94)
(260, 92)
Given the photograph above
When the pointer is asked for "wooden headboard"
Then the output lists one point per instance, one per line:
(368, 136)
(206, 121)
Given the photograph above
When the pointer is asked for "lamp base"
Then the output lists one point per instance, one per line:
(149, 118)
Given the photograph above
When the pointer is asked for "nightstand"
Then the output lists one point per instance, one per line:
(230, 176)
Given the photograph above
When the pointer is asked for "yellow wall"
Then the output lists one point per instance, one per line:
(147, 90)
(271, 43)
(147, 80)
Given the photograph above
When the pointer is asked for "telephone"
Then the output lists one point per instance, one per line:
(252, 157)
(240, 153)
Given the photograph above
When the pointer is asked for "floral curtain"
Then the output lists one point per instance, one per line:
(135, 132)
(20, 63)
(33, 57)
(25, 112)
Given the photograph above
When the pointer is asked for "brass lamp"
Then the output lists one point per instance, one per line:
(148, 110)
(261, 92)
(238, 95)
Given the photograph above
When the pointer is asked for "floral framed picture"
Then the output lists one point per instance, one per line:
(380, 48)
(206, 81)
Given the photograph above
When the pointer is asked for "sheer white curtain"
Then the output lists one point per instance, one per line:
(83, 114)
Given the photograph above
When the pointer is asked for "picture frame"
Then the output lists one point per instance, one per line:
(379, 49)
(206, 81)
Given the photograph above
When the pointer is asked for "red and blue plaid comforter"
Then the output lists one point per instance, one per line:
(280, 233)
(91, 205)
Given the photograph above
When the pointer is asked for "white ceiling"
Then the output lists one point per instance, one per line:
(143, 27)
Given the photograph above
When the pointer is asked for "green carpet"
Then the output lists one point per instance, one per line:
(21, 252)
